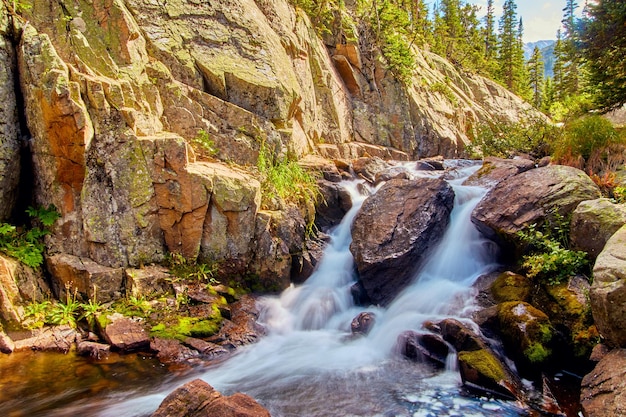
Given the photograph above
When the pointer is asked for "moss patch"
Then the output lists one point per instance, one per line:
(183, 327)
(484, 363)
(511, 287)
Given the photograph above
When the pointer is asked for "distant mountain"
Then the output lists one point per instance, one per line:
(547, 52)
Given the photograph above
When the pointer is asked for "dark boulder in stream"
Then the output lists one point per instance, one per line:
(393, 232)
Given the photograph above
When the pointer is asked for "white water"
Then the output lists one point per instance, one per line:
(308, 365)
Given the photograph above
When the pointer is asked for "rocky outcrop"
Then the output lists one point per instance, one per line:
(603, 391)
(531, 197)
(9, 126)
(197, 398)
(608, 290)
(593, 223)
(394, 230)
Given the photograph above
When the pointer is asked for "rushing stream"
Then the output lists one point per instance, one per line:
(309, 365)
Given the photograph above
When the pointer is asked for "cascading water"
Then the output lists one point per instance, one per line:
(310, 365)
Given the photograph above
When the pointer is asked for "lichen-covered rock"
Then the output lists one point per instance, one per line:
(608, 290)
(531, 197)
(151, 280)
(603, 392)
(394, 229)
(593, 223)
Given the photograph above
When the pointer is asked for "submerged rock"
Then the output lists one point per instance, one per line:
(199, 399)
(423, 346)
(394, 230)
(363, 323)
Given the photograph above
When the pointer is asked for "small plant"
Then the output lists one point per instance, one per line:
(65, 313)
(205, 146)
(24, 244)
(184, 269)
(548, 260)
(35, 314)
(283, 178)
(619, 194)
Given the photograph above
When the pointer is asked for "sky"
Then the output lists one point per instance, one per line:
(541, 18)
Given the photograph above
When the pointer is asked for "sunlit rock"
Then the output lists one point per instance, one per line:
(593, 223)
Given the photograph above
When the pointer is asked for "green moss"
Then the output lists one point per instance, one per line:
(183, 327)
(537, 353)
(485, 363)
(510, 287)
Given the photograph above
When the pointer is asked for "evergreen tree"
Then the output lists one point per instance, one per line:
(571, 76)
(559, 67)
(510, 52)
(490, 31)
(604, 51)
(549, 95)
(535, 70)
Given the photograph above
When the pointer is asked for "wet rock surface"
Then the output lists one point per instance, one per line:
(394, 230)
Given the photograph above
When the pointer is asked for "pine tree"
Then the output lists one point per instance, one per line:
(535, 70)
(510, 52)
(571, 75)
(490, 31)
(604, 52)
(549, 95)
(559, 67)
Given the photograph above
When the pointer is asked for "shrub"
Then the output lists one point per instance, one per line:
(204, 145)
(548, 259)
(532, 135)
(584, 136)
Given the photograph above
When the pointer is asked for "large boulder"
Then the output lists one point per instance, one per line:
(608, 290)
(197, 399)
(394, 230)
(531, 197)
(603, 392)
(593, 223)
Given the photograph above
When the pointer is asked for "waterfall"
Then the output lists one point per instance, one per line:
(309, 364)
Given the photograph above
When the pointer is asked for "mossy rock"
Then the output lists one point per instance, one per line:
(181, 327)
(568, 307)
(511, 287)
(482, 369)
(527, 334)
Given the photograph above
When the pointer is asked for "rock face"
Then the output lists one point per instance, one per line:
(393, 231)
(118, 97)
(529, 198)
(19, 285)
(197, 399)
(593, 223)
(9, 126)
(608, 291)
(603, 391)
